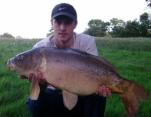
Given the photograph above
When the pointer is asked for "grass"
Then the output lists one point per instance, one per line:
(131, 57)
(13, 92)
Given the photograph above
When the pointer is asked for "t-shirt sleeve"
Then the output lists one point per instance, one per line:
(42, 43)
(91, 47)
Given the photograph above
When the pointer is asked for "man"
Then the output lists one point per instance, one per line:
(50, 103)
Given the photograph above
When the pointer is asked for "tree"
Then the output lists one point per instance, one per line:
(7, 35)
(144, 24)
(117, 22)
(148, 3)
(97, 27)
(132, 29)
(117, 27)
(118, 31)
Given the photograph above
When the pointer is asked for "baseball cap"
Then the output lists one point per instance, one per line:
(65, 10)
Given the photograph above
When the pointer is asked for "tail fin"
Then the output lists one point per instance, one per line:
(131, 96)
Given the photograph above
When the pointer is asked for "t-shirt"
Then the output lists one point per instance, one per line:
(82, 42)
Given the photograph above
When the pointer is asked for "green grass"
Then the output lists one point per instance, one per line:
(13, 92)
(131, 57)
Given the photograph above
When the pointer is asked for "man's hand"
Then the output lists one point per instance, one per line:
(104, 91)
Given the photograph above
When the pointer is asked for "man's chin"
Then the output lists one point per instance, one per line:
(64, 39)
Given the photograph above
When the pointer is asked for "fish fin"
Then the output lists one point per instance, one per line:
(69, 99)
(35, 89)
(115, 89)
(131, 96)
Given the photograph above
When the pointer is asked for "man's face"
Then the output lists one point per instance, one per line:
(63, 27)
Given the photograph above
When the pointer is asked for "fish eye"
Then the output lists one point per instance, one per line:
(20, 58)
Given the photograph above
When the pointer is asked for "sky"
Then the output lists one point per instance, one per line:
(31, 18)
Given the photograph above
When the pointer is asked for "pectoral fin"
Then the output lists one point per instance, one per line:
(69, 99)
(35, 89)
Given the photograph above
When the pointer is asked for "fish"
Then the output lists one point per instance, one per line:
(77, 73)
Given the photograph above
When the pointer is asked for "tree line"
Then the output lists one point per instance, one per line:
(7, 36)
(119, 28)
(115, 27)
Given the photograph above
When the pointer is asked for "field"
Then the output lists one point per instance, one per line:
(131, 57)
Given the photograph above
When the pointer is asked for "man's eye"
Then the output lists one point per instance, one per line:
(58, 22)
(65, 22)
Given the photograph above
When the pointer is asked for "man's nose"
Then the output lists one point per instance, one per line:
(62, 26)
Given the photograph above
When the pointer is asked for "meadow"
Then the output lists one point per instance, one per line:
(130, 56)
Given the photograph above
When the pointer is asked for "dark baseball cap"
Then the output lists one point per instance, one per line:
(65, 10)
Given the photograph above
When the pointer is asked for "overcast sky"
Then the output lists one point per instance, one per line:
(31, 18)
